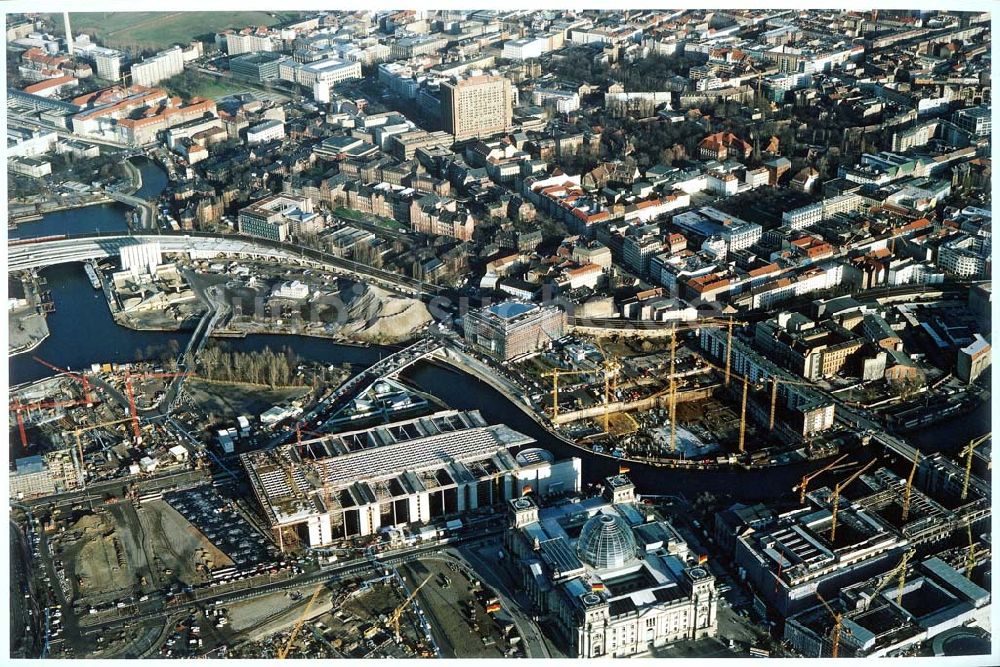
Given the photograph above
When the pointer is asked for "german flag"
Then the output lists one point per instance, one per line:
(597, 586)
(623, 469)
(493, 607)
(526, 489)
(702, 559)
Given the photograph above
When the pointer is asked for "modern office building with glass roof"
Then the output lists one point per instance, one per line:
(617, 579)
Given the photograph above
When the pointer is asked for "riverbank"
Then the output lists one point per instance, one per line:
(26, 330)
(135, 175)
(252, 329)
(20, 213)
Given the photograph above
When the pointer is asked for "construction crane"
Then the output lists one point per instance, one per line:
(394, 617)
(967, 452)
(902, 576)
(556, 373)
(837, 621)
(729, 348)
(909, 486)
(888, 577)
(82, 378)
(130, 392)
(20, 408)
(804, 484)
(673, 390)
(283, 653)
(775, 381)
(836, 497)
(611, 368)
(970, 559)
(743, 413)
(17, 407)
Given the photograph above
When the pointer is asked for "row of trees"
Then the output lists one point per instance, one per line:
(581, 65)
(652, 74)
(266, 367)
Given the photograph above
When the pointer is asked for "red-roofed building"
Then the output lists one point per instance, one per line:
(52, 87)
(136, 114)
(722, 146)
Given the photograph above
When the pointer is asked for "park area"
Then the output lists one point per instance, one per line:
(388, 223)
(158, 30)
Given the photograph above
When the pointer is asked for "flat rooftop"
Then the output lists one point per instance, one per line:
(394, 460)
(512, 309)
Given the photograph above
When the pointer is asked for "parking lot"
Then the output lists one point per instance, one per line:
(223, 526)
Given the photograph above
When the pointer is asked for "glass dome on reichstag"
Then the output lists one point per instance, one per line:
(606, 542)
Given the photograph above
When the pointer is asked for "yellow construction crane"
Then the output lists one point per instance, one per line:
(909, 485)
(902, 576)
(743, 413)
(836, 497)
(729, 348)
(837, 621)
(673, 390)
(394, 618)
(970, 559)
(555, 374)
(889, 575)
(774, 396)
(968, 460)
(609, 370)
(298, 624)
(611, 367)
(804, 484)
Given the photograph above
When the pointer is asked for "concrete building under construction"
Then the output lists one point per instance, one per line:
(882, 620)
(791, 558)
(788, 558)
(513, 328)
(408, 472)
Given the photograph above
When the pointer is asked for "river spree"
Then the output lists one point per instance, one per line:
(83, 333)
(99, 218)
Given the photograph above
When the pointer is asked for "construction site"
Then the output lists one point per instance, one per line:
(671, 401)
(71, 432)
(378, 617)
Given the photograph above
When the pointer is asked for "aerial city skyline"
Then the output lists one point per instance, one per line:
(659, 333)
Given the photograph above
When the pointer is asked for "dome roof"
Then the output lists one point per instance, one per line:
(606, 541)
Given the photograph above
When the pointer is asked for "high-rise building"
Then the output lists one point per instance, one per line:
(108, 63)
(163, 65)
(479, 106)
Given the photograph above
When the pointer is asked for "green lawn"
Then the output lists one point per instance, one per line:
(388, 223)
(158, 30)
(193, 83)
